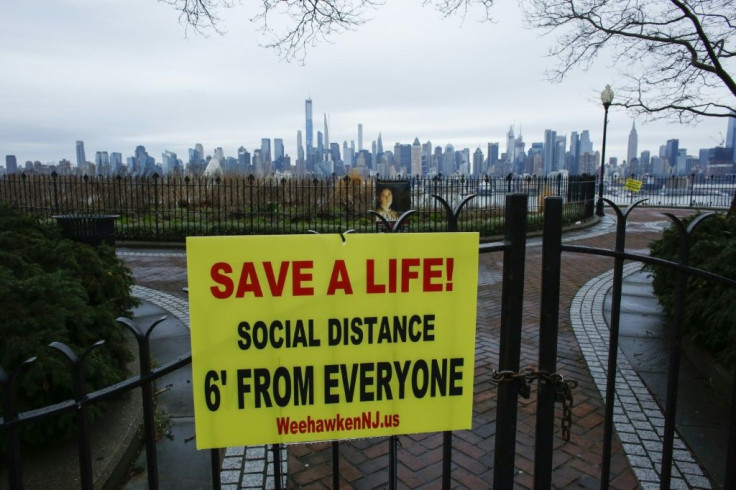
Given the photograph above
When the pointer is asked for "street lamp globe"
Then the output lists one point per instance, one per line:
(607, 99)
(607, 96)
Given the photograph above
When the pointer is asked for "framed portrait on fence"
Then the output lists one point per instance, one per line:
(393, 197)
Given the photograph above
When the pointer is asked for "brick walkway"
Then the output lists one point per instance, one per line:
(364, 462)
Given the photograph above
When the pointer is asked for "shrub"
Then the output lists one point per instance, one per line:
(54, 289)
(710, 307)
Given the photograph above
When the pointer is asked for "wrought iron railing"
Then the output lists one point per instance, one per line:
(167, 209)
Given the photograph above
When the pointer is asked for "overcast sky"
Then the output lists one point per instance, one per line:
(119, 73)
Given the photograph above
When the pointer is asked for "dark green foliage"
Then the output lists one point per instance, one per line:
(53, 289)
(710, 307)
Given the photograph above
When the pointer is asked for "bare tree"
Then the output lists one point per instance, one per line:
(291, 27)
(677, 57)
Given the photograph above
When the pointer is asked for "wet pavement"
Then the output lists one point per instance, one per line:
(582, 352)
(702, 413)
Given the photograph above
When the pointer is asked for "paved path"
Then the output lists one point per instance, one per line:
(363, 463)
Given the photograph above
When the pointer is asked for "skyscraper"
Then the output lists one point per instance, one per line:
(573, 161)
(327, 140)
(308, 110)
(550, 151)
(278, 153)
(560, 156)
(81, 158)
(102, 162)
(116, 162)
(731, 137)
(416, 158)
(510, 145)
(672, 149)
(266, 149)
(360, 137)
(347, 154)
(632, 150)
(299, 146)
(478, 163)
(586, 146)
(11, 164)
(492, 155)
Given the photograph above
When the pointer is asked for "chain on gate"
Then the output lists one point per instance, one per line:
(563, 389)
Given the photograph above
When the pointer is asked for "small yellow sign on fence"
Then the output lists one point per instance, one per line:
(317, 337)
(633, 185)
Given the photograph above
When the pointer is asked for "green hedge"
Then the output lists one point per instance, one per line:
(710, 311)
(53, 289)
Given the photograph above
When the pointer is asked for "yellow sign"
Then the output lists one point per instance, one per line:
(309, 337)
(633, 185)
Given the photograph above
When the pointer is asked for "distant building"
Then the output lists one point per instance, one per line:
(81, 158)
(266, 149)
(170, 162)
(415, 167)
(327, 139)
(335, 157)
(299, 146)
(278, 154)
(550, 151)
(645, 164)
(671, 151)
(731, 137)
(102, 163)
(308, 114)
(116, 163)
(510, 145)
(632, 148)
(11, 164)
(492, 156)
(478, 162)
(243, 160)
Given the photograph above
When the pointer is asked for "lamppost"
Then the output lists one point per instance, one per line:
(607, 99)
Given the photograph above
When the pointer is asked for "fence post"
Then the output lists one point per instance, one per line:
(548, 330)
(512, 306)
(10, 413)
(155, 203)
(613, 335)
(80, 395)
(55, 185)
(685, 234)
(144, 355)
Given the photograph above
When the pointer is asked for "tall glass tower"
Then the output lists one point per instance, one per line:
(308, 110)
(81, 158)
(731, 137)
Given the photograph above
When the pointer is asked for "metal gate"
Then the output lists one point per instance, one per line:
(552, 386)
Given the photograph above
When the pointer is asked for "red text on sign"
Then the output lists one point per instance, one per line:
(256, 277)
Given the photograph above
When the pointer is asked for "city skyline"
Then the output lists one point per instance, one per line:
(166, 89)
(547, 140)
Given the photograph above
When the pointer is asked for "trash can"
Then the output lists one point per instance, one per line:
(92, 229)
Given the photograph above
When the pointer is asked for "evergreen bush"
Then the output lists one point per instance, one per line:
(54, 289)
(710, 307)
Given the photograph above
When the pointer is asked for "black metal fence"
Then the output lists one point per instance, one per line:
(513, 248)
(684, 191)
(171, 208)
